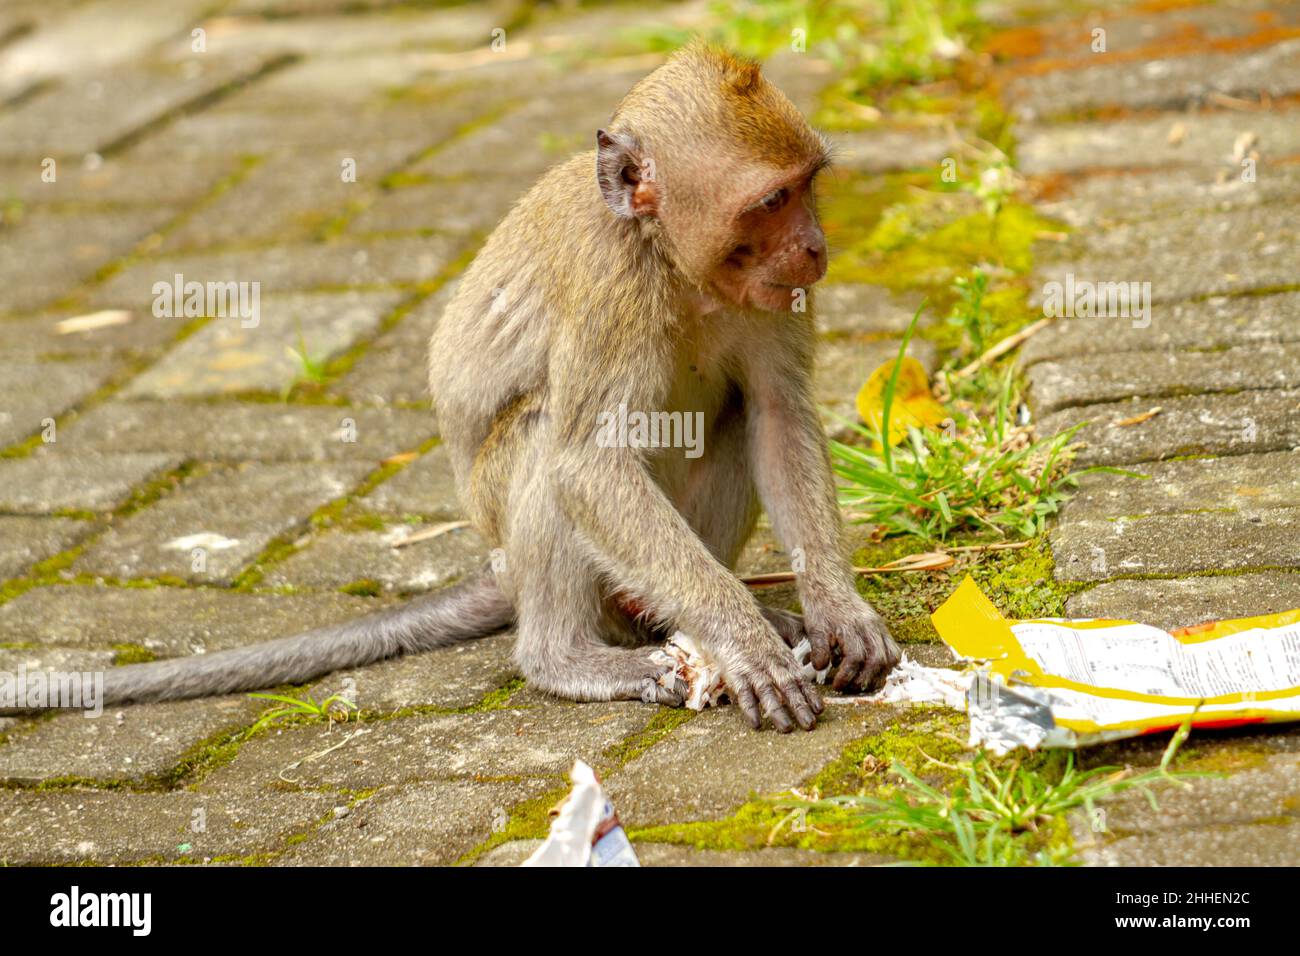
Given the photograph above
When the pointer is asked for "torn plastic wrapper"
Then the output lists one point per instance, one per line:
(703, 678)
(1062, 683)
(585, 831)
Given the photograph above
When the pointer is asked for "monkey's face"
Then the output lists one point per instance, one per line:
(775, 249)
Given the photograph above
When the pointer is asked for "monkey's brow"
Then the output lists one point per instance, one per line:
(804, 177)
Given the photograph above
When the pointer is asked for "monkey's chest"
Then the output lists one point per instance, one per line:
(702, 406)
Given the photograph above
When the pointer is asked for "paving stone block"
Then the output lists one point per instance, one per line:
(1159, 84)
(708, 767)
(1253, 247)
(1176, 544)
(1144, 142)
(34, 340)
(67, 660)
(1097, 201)
(166, 621)
(1182, 602)
(225, 357)
(88, 37)
(119, 180)
(1257, 806)
(1238, 424)
(336, 559)
(341, 116)
(394, 369)
(1262, 844)
(1209, 325)
(118, 826)
(55, 478)
(24, 541)
(291, 197)
(1236, 483)
(37, 392)
(242, 431)
(287, 268)
(534, 742)
(1092, 380)
(857, 309)
(525, 142)
(47, 256)
(425, 487)
(450, 677)
(428, 824)
(322, 33)
(92, 112)
(473, 205)
(140, 744)
(214, 525)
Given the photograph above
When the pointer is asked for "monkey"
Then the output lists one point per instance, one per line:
(657, 273)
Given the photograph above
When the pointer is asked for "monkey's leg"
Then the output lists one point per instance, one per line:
(565, 628)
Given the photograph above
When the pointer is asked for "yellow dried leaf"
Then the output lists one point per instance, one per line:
(913, 404)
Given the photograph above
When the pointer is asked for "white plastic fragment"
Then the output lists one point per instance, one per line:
(694, 668)
(586, 831)
(913, 683)
(703, 678)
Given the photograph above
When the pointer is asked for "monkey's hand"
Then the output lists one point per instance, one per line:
(766, 679)
(850, 634)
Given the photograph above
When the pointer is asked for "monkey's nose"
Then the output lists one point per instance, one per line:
(817, 253)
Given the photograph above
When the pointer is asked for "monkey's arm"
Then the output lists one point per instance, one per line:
(645, 547)
(643, 544)
(792, 471)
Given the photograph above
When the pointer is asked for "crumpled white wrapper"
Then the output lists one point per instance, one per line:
(703, 678)
(913, 683)
(575, 838)
(1001, 718)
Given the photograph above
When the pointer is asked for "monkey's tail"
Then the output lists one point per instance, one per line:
(472, 608)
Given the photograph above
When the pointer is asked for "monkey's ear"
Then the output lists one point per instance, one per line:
(626, 177)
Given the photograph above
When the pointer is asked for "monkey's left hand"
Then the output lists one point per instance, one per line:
(849, 633)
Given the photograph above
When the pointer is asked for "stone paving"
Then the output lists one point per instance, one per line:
(124, 442)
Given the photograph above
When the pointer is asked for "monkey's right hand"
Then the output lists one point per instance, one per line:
(767, 680)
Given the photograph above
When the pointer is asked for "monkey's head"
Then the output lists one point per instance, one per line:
(719, 166)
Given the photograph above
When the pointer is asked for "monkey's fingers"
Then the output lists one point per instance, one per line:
(749, 704)
(853, 657)
(820, 655)
(803, 700)
(774, 708)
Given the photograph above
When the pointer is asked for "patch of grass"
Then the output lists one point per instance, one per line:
(997, 813)
(335, 708)
(874, 45)
(970, 314)
(312, 369)
(978, 475)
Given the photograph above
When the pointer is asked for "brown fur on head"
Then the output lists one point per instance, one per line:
(720, 165)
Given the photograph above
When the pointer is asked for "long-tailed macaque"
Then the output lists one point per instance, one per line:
(665, 274)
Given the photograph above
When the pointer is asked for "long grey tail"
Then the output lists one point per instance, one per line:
(473, 608)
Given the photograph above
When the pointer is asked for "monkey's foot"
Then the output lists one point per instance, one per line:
(786, 623)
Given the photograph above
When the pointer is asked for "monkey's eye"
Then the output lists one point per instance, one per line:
(774, 200)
